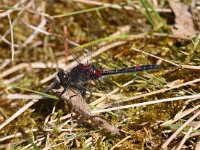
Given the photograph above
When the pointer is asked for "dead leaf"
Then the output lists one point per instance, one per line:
(184, 26)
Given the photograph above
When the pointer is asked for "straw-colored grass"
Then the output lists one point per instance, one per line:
(153, 110)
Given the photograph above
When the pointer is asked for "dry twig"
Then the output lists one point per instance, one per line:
(156, 92)
(148, 103)
(115, 6)
(12, 38)
(164, 145)
(18, 113)
(74, 100)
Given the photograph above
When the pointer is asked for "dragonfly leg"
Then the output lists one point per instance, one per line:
(90, 95)
(64, 90)
(83, 90)
(80, 88)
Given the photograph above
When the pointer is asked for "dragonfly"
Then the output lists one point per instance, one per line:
(83, 73)
(77, 79)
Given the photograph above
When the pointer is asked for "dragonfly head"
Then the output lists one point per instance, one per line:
(62, 78)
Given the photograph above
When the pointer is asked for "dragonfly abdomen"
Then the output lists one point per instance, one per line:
(130, 69)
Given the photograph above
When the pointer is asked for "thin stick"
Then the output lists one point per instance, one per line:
(126, 138)
(197, 126)
(182, 66)
(115, 6)
(170, 62)
(197, 145)
(170, 36)
(7, 42)
(79, 12)
(63, 117)
(13, 69)
(110, 93)
(12, 38)
(156, 92)
(43, 14)
(16, 135)
(191, 67)
(183, 114)
(23, 96)
(184, 139)
(18, 113)
(14, 23)
(4, 63)
(164, 146)
(148, 103)
(35, 28)
(113, 96)
(35, 33)
(39, 65)
(14, 79)
(15, 7)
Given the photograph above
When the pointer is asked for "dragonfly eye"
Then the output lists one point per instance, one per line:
(61, 76)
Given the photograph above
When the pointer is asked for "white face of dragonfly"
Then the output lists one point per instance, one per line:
(57, 78)
(62, 77)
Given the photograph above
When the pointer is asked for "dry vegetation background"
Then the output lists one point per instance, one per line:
(153, 110)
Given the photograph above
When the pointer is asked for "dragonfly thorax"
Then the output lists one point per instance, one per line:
(84, 73)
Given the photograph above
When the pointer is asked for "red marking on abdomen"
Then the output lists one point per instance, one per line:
(138, 67)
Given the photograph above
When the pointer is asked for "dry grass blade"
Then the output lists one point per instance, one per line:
(183, 114)
(126, 138)
(3, 37)
(35, 33)
(18, 113)
(170, 62)
(112, 35)
(115, 6)
(191, 67)
(14, 79)
(16, 135)
(197, 146)
(184, 139)
(32, 65)
(37, 29)
(23, 96)
(174, 135)
(15, 7)
(148, 103)
(158, 91)
(100, 100)
(12, 38)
